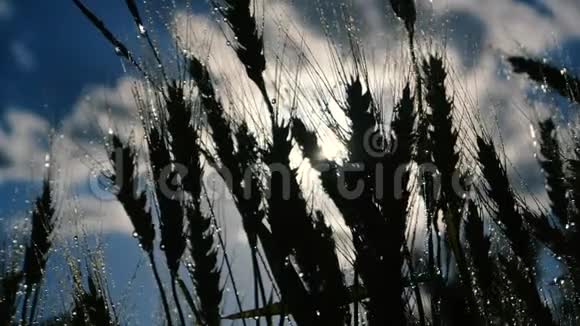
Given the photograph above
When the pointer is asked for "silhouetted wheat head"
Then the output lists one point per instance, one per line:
(507, 212)
(250, 45)
(405, 10)
(377, 231)
(124, 160)
(170, 210)
(125, 176)
(508, 215)
(37, 251)
(183, 126)
(557, 79)
(43, 221)
(553, 168)
(237, 162)
(479, 248)
(92, 304)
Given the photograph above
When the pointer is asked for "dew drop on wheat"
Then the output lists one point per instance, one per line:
(123, 66)
(47, 161)
(532, 131)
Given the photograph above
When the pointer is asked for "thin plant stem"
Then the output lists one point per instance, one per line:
(24, 312)
(176, 299)
(416, 290)
(161, 289)
(189, 298)
(34, 304)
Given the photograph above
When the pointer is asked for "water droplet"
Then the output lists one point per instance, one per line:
(532, 131)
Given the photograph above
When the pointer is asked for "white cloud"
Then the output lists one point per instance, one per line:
(24, 144)
(78, 153)
(96, 216)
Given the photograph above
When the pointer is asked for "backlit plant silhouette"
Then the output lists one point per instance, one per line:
(482, 241)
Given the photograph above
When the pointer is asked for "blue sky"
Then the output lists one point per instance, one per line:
(65, 54)
(51, 58)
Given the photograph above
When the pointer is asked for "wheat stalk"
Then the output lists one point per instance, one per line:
(557, 79)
